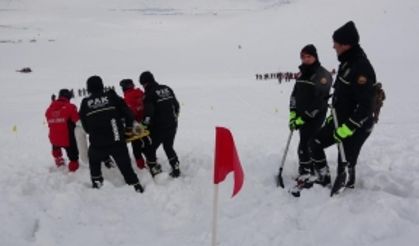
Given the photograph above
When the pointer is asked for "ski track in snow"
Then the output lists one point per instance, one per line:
(214, 81)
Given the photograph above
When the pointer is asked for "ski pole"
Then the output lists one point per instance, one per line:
(279, 180)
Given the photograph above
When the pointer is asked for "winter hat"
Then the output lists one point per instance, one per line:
(126, 84)
(310, 50)
(346, 34)
(65, 93)
(94, 84)
(146, 77)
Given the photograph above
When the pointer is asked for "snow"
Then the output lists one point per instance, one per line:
(193, 46)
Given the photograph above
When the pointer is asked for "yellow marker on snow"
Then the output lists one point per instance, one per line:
(14, 129)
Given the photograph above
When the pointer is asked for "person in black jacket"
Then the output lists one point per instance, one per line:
(161, 111)
(308, 105)
(103, 115)
(352, 101)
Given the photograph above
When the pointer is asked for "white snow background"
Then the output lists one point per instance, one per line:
(209, 53)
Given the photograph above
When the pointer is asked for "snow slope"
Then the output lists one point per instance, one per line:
(193, 46)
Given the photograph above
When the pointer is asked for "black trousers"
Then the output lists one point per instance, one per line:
(137, 149)
(352, 145)
(165, 136)
(120, 154)
(307, 132)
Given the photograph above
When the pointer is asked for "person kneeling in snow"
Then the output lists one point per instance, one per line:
(62, 118)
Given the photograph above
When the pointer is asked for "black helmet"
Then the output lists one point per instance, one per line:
(65, 93)
(94, 84)
(126, 84)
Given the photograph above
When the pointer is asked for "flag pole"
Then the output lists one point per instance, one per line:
(215, 216)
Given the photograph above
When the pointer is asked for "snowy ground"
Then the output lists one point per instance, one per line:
(194, 47)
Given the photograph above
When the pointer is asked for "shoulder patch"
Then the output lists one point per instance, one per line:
(323, 81)
(362, 80)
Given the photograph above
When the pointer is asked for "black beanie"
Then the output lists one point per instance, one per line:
(94, 84)
(146, 77)
(311, 50)
(65, 93)
(346, 34)
(126, 84)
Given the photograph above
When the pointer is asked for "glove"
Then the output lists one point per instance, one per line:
(138, 128)
(295, 121)
(342, 133)
(293, 116)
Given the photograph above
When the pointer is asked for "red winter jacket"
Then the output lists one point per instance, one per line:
(134, 99)
(61, 116)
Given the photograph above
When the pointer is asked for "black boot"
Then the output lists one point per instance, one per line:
(351, 178)
(138, 188)
(305, 178)
(155, 168)
(323, 176)
(97, 182)
(175, 169)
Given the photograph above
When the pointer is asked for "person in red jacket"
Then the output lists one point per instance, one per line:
(134, 99)
(62, 117)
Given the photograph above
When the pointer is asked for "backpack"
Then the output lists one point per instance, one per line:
(378, 100)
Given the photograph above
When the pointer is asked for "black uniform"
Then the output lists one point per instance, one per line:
(102, 115)
(309, 101)
(352, 99)
(161, 110)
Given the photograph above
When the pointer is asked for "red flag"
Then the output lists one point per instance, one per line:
(226, 159)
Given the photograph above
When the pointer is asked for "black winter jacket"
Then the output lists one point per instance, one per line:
(311, 91)
(161, 108)
(353, 94)
(103, 116)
